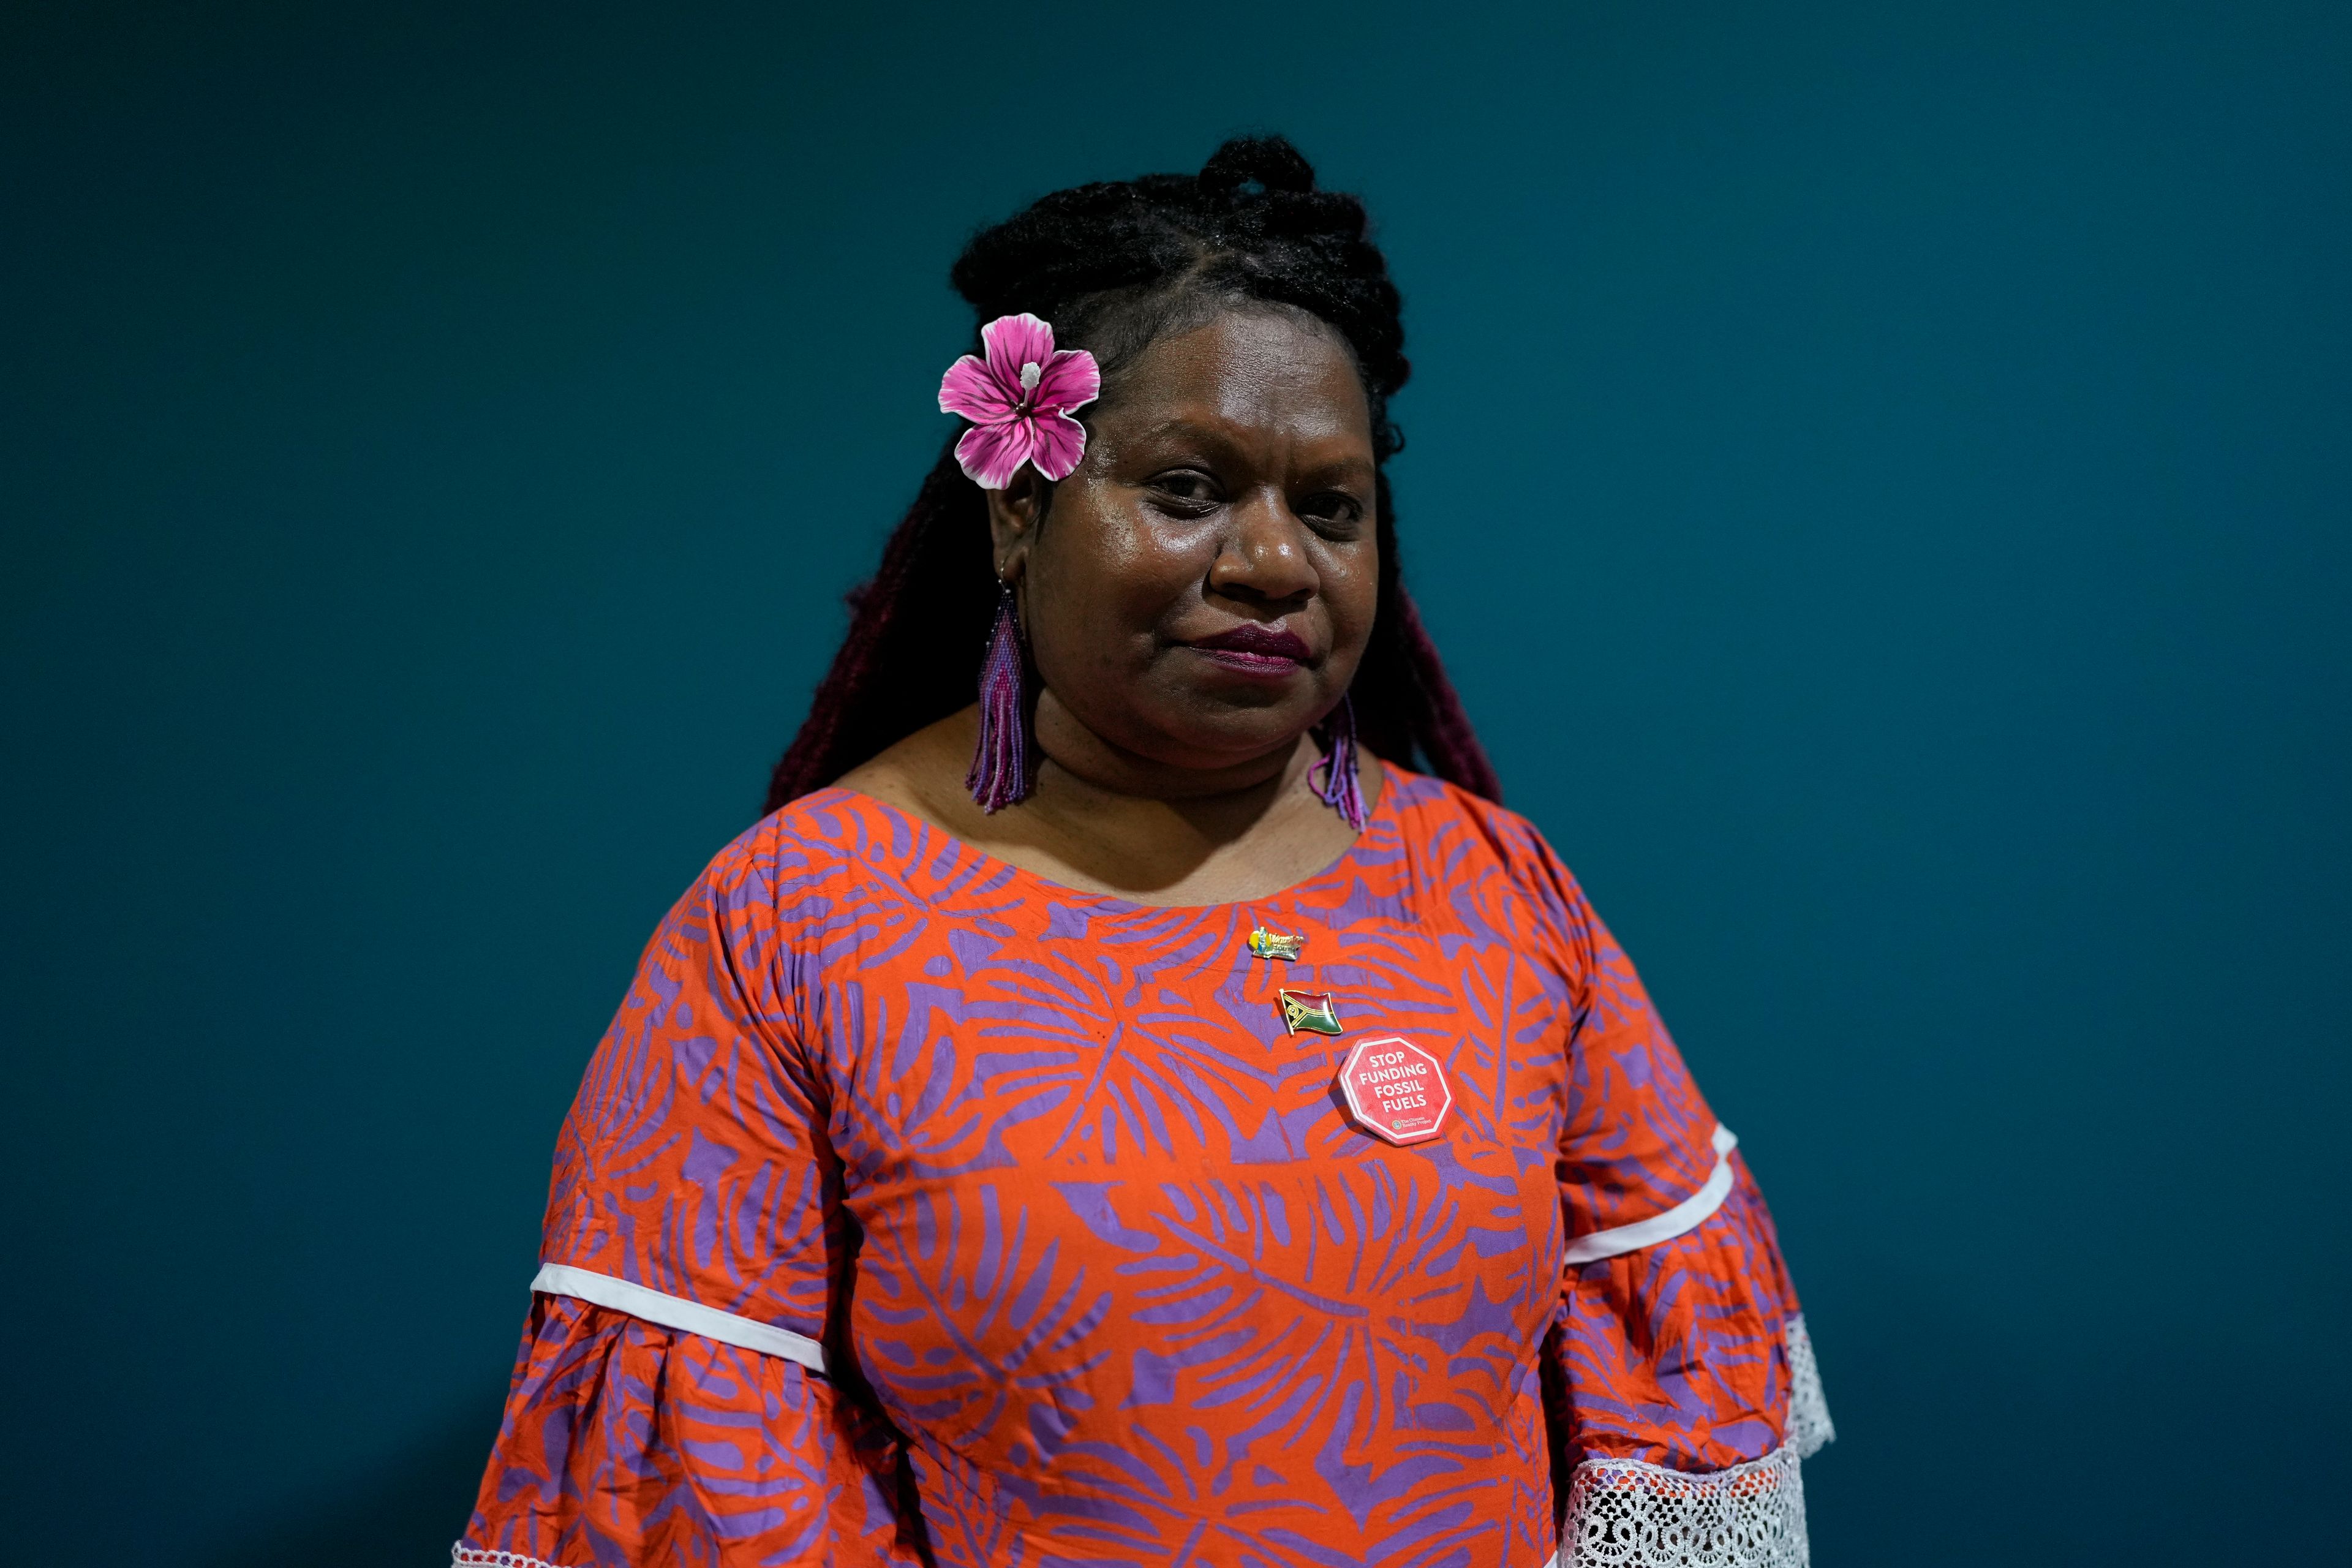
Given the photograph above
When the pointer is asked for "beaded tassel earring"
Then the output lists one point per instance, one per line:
(1003, 765)
(1341, 789)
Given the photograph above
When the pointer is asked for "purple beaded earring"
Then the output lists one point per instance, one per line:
(1003, 765)
(1341, 789)
(1022, 396)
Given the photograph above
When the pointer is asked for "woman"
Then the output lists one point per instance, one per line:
(1135, 1118)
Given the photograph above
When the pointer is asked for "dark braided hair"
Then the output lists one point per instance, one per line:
(1114, 267)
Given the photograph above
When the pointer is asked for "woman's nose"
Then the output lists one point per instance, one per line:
(1264, 556)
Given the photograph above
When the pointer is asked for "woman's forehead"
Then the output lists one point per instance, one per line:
(1242, 367)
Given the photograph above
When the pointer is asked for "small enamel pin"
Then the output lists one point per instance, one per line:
(1264, 944)
(1311, 1010)
(1396, 1090)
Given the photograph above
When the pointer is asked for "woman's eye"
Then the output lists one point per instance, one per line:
(1333, 508)
(1186, 486)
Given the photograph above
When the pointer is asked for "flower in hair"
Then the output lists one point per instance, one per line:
(1019, 399)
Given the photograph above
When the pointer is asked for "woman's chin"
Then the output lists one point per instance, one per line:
(1233, 741)
(1212, 727)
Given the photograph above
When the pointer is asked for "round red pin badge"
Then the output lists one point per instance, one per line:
(1395, 1090)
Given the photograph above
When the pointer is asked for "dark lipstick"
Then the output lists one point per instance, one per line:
(1255, 649)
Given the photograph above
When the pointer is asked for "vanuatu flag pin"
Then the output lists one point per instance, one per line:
(1312, 1010)
(1264, 944)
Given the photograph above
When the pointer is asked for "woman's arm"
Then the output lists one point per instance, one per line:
(677, 1398)
(1683, 1391)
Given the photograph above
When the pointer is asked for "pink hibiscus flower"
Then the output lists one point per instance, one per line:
(1018, 400)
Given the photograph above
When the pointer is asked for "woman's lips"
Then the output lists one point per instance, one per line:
(1255, 651)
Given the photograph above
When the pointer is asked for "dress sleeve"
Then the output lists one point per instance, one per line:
(672, 1401)
(1683, 1391)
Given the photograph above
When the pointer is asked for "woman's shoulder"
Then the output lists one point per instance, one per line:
(1460, 835)
(832, 832)
(804, 857)
(1430, 808)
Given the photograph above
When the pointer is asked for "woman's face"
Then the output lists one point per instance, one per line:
(1200, 590)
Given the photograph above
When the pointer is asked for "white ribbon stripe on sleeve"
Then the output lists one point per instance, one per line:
(678, 1312)
(1688, 1215)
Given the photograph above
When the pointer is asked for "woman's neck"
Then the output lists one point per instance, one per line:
(1117, 824)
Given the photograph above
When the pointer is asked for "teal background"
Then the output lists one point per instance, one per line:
(1879, 474)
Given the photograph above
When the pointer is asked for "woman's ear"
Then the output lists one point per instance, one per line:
(1012, 516)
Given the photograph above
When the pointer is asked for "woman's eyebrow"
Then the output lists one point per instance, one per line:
(1179, 427)
(1351, 468)
(1219, 432)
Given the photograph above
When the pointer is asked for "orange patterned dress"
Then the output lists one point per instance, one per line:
(915, 1209)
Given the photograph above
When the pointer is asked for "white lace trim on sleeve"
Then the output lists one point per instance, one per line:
(1808, 1409)
(1688, 1215)
(1627, 1514)
(464, 1556)
(678, 1312)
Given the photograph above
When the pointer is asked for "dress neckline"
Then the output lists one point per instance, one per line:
(1332, 878)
